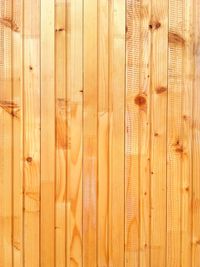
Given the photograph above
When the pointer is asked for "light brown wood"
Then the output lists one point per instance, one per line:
(74, 28)
(18, 160)
(90, 133)
(31, 133)
(6, 141)
(48, 155)
(61, 133)
(99, 133)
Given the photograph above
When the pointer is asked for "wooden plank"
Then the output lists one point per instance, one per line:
(17, 76)
(187, 112)
(31, 118)
(74, 131)
(6, 119)
(144, 106)
(103, 132)
(116, 135)
(90, 135)
(132, 190)
(159, 28)
(175, 128)
(196, 142)
(61, 131)
(47, 240)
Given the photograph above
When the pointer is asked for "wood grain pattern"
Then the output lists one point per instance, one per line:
(99, 133)
(31, 136)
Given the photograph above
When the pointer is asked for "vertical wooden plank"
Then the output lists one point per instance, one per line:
(90, 135)
(159, 28)
(116, 135)
(17, 76)
(74, 131)
(175, 128)
(196, 141)
(6, 117)
(31, 118)
(103, 132)
(143, 101)
(132, 220)
(187, 111)
(61, 130)
(47, 134)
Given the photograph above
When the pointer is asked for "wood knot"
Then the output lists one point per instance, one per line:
(9, 23)
(176, 39)
(30, 68)
(185, 117)
(198, 242)
(161, 89)
(60, 30)
(179, 148)
(10, 107)
(155, 25)
(29, 159)
(187, 189)
(155, 134)
(140, 100)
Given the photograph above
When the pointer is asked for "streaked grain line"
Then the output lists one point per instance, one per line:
(74, 131)
(90, 135)
(47, 240)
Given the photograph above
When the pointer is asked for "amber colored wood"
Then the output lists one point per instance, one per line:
(158, 158)
(99, 133)
(187, 130)
(48, 155)
(61, 133)
(6, 142)
(175, 150)
(18, 160)
(90, 133)
(103, 133)
(75, 93)
(195, 142)
(31, 133)
(116, 132)
(132, 190)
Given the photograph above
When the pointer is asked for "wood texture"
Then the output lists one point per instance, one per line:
(99, 133)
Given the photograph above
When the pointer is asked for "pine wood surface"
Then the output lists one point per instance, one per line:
(99, 133)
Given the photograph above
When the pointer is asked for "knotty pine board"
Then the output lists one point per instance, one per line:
(99, 133)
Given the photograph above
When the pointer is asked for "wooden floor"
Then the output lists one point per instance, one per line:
(99, 133)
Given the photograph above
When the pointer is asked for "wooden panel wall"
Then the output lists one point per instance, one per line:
(99, 133)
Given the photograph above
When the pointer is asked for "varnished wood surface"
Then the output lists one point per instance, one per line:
(99, 133)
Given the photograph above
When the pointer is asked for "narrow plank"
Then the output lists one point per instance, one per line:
(159, 28)
(103, 132)
(74, 131)
(116, 135)
(196, 142)
(47, 241)
(144, 131)
(187, 111)
(17, 76)
(31, 135)
(175, 128)
(6, 121)
(90, 135)
(132, 190)
(61, 131)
